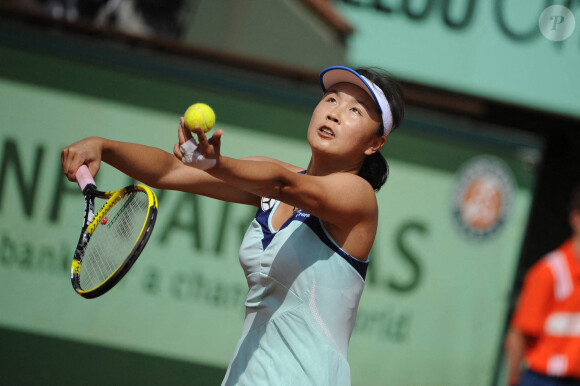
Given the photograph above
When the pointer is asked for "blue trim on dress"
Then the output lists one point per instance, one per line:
(314, 223)
(262, 218)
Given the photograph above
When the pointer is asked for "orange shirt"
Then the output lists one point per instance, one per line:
(549, 310)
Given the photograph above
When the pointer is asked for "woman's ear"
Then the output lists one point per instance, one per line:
(376, 145)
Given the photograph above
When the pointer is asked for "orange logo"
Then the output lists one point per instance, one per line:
(483, 196)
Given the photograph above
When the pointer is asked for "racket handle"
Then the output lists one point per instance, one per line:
(84, 177)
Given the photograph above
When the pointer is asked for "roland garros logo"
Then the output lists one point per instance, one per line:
(483, 197)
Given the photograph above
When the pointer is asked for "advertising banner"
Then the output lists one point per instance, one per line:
(452, 218)
(516, 51)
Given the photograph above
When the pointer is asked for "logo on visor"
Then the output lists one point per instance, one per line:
(483, 197)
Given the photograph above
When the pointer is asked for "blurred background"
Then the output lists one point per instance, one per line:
(481, 169)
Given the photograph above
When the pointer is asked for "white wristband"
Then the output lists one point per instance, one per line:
(192, 157)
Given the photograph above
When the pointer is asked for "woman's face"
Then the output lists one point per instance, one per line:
(345, 123)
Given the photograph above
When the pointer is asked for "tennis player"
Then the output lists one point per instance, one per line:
(305, 254)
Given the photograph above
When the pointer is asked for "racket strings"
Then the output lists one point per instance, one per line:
(114, 239)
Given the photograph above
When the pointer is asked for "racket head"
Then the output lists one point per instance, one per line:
(113, 238)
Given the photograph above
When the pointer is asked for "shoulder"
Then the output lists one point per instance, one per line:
(543, 273)
(346, 200)
(351, 186)
(541, 269)
(351, 217)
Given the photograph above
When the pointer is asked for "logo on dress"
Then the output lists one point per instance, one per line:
(267, 203)
(300, 213)
(483, 197)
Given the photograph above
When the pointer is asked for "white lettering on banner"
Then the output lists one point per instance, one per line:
(563, 324)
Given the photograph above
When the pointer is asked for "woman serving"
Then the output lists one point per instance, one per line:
(305, 254)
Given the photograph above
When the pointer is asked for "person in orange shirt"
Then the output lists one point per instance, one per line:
(545, 328)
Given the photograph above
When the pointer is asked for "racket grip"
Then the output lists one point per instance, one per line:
(84, 177)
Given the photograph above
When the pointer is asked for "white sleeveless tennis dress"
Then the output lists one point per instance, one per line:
(303, 296)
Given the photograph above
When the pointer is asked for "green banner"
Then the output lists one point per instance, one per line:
(507, 50)
(452, 218)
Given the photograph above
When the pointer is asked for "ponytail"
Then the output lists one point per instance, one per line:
(375, 170)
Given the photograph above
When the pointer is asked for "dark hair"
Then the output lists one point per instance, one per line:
(375, 168)
(574, 203)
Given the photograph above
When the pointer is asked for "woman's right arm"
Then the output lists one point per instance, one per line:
(151, 166)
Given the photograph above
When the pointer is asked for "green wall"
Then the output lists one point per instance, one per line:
(489, 48)
(433, 283)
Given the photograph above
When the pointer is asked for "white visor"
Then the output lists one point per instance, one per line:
(339, 74)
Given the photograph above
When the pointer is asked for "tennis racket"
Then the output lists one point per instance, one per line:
(112, 238)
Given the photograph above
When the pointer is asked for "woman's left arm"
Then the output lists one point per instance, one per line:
(338, 198)
(342, 199)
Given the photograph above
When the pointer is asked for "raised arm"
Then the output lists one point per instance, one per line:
(337, 198)
(149, 165)
(344, 201)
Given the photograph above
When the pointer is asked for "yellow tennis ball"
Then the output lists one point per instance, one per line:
(200, 115)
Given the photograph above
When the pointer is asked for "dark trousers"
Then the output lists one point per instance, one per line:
(532, 378)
